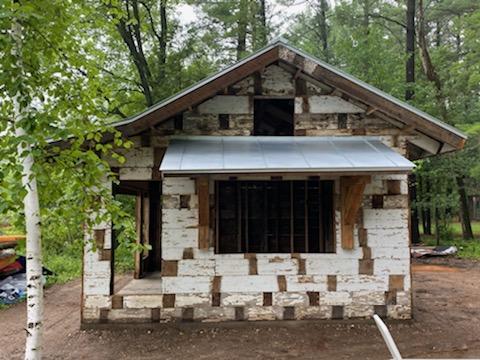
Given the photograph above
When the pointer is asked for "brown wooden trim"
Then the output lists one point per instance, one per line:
(203, 212)
(351, 194)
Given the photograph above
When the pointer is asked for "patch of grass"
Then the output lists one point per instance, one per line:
(66, 262)
(467, 249)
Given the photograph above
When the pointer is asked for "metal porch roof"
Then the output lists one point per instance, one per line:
(268, 154)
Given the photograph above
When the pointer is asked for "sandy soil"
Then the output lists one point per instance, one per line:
(446, 325)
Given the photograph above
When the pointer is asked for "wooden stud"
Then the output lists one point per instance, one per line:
(169, 267)
(168, 301)
(267, 299)
(117, 302)
(185, 201)
(363, 237)
(216, 284)
(155, 315)
(332, 282)
(396, 282)
(106, 255)
(239, 313)
(367, 252)
(252, 266)
(377, 201)
(139, 234)
(342, 121)
(337, 312)
(289, 313)
(187, 254)
(365, 266)
(203, 212)
(216, 296)
(99, 236)
(313, 298)
(282, 283)
(380, 310)
(393, 187)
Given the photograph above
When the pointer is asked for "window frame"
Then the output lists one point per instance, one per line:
(327, 242)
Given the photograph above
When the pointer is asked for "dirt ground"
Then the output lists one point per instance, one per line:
(446, 325)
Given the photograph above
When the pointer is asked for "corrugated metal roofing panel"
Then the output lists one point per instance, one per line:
(245, 154)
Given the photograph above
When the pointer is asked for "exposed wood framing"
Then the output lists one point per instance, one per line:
(372, 99)
(138, 225)
(203, 212)
(351, 193)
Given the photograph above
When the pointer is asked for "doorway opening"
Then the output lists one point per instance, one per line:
(142, 200)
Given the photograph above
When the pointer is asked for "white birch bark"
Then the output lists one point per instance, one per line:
(33, 345)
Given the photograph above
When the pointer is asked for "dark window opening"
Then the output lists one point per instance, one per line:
(275, 216)
(273, 117)
(178, 122)
(224, 121)
(342, 121)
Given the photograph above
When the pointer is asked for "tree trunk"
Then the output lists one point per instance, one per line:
(242, 29)
(427, 222)
(414, 230)
(464, 211)
(437, 225)
(263, 23)
(324, 29)
(163, 39)
(427, 64)
(34, 329)
(410, 47)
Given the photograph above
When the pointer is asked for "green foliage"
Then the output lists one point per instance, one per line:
(467, 249)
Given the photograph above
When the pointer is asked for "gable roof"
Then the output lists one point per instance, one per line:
(437, 136)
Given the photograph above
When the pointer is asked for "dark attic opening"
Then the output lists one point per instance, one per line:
(273, 117)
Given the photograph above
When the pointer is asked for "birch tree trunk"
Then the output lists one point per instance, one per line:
(33, 344)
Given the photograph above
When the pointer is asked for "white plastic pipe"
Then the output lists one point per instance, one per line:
(387, 337)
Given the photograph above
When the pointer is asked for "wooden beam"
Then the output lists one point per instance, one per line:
(351, 194)
(371, 110)
(138, 229)
(203, 212)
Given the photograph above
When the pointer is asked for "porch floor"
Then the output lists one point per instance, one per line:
(151, 284)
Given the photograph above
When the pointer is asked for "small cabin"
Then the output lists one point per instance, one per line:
(276, 189)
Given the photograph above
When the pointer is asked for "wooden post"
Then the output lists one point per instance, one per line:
(351, 193)
(203, 213)
(138, 225)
